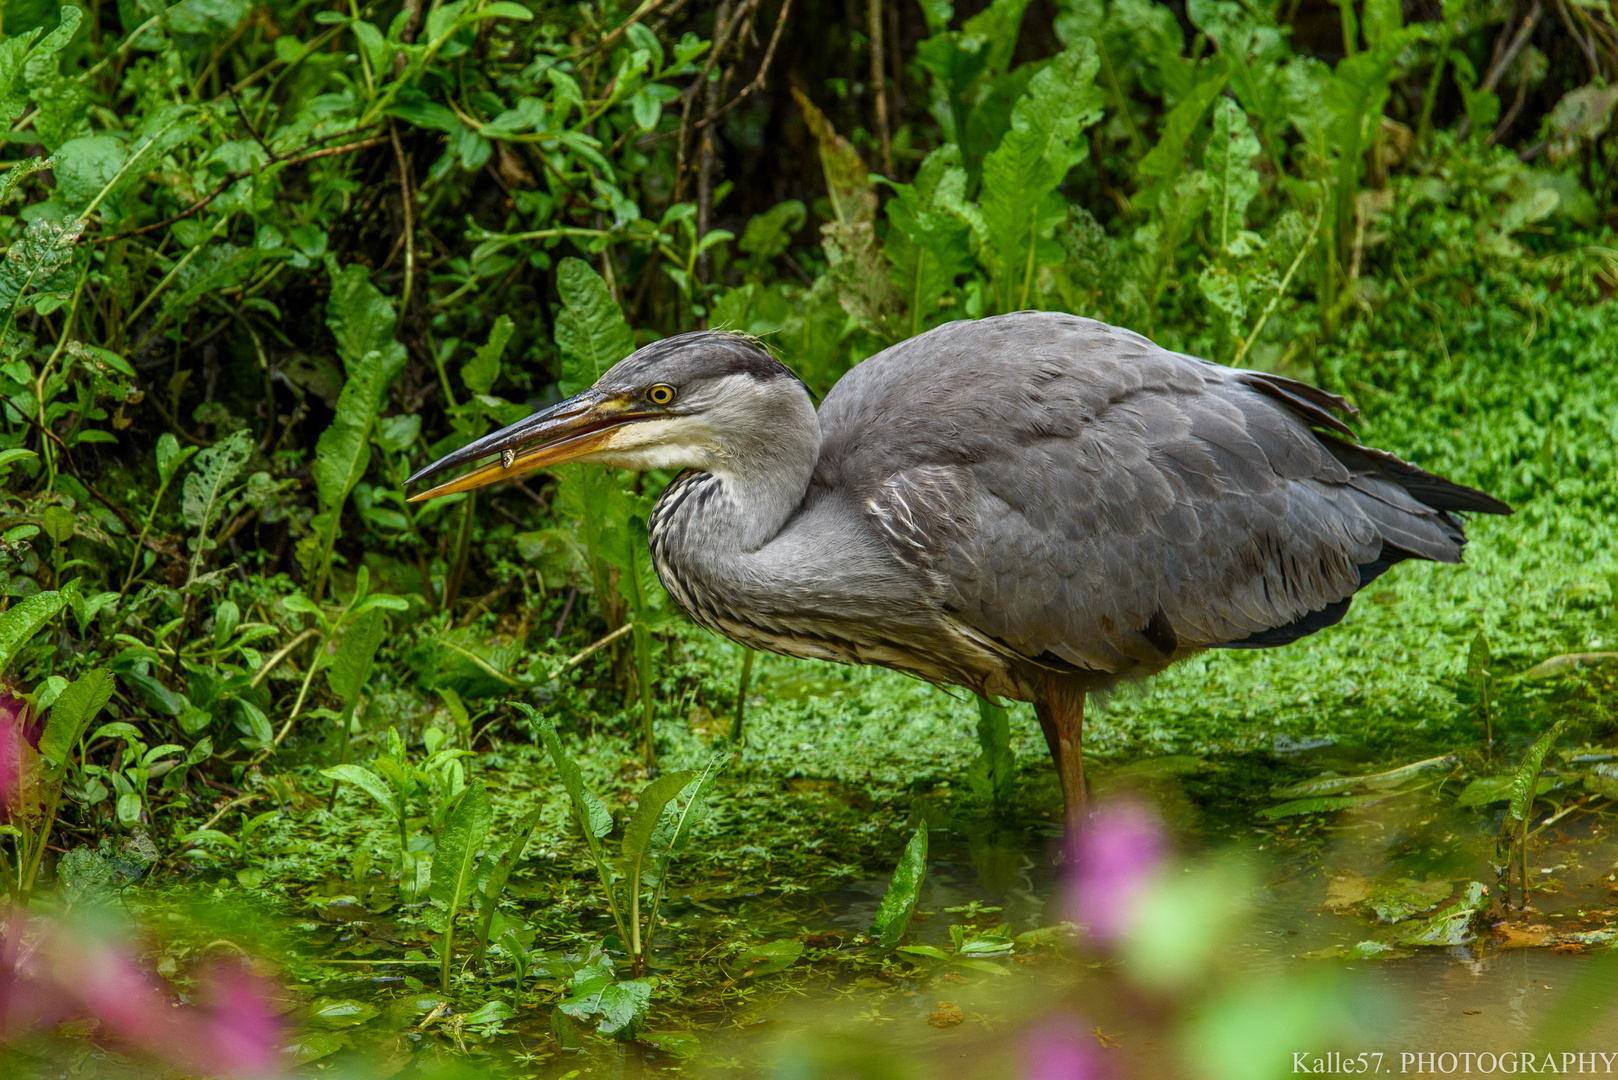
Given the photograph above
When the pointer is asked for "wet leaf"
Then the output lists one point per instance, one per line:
(1566, 662)
(766, 959)
(899, 903)
(1321, 806)
(1451, 926)
(1485, 790)
(1390, 778)
(341, 1012)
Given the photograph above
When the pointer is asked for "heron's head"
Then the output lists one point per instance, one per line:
(693, 401)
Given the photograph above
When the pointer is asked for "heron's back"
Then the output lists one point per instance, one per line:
(1087, 499)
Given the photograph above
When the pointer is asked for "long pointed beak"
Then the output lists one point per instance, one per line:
(551, 436)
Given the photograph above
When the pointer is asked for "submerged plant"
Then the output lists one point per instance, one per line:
(667, 813)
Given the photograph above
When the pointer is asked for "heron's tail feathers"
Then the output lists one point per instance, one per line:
(1429, 490)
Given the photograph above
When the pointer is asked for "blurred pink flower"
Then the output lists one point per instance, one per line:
(52, 973)
(1058, 1049)
(1108, 865)
(240, 1033)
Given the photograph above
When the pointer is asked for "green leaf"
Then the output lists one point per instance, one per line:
(39, 262)
(765, 959)
(899, 902)
(1388, 778)
(72, 713)
(480, 372)
(362, 320)
(1321, 805)
(1566, 662)
(623, 1007)
(848, 181)
(465, 832)
(351, 667)
(500, 873)
(1229, 164)
(368, 782)
(207, 488)
(372, 41)
(652, 801)
(20, 622)
(170, 457)
(15, 454)
(505, 9)
(1526, 780)
(590, 328)
(1020, 206)
(464, 661)
(993, 773)
(592, 812)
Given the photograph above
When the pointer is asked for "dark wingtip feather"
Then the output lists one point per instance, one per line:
(1313, 404)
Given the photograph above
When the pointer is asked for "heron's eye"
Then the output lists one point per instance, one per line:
(661, 394)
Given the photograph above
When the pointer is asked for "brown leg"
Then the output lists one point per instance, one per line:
(1061, 716)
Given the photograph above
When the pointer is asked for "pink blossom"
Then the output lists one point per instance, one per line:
(240, 1034)
(51, 973)
(1059, 1049)
(1109, 864)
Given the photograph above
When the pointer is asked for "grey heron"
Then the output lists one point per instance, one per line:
(1033, 506)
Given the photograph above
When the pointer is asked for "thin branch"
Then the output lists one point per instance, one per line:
(879, 81)
(1497, 71)
(579, 658)
(405, 200)
(763, 69)
(330, 151)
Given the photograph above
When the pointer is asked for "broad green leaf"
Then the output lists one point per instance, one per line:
(72, 713)
(848, 181)
(480, 372)
(38, 266)
(505, 9)
(766, 959)
(500, 872)
(368, 782)
(623, 1006)
(590, 327)
(351, 667)
(1526, 779)
(208, 487)
(1229, 164)
(993, 773)
(372, 41)
(465, 832)
(1166, 159)
(14, 455)
(593, 815)
(653, 800)
(899, 902)
(1020, 206)
(362, 320)
(22, 620)
(1451, 926)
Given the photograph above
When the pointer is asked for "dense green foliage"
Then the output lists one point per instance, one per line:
(262, 263)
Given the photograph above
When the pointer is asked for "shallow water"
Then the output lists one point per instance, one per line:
(1257, 990)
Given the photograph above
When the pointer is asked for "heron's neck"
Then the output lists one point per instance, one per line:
(758, 482)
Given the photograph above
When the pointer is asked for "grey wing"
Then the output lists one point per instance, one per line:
(1088, 499)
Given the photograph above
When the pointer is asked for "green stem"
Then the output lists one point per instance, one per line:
(741, 696)
(345, 723)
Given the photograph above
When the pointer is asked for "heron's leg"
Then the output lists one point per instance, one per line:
(1061, 716)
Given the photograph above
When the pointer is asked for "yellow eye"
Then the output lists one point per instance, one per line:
(661, 394)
